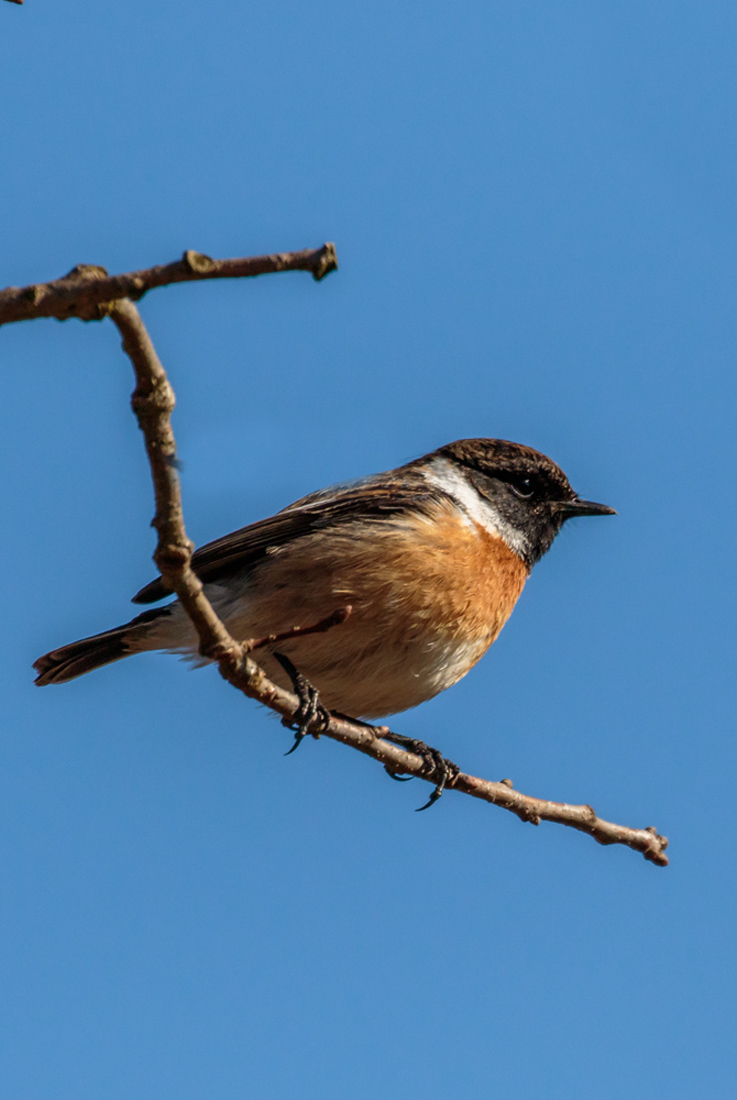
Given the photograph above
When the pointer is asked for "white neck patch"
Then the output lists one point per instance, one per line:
(444, 474)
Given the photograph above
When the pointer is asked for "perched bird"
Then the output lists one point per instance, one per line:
(430, 557)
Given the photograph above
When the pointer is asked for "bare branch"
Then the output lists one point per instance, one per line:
(88, 289)
(338, 616)
(153, 401)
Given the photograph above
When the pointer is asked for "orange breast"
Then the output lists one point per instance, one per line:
(429, 594)
(436, 573)
(445, 576)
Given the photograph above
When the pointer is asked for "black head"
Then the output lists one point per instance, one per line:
(530, 493)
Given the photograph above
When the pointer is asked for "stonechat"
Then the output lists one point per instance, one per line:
(430, 557)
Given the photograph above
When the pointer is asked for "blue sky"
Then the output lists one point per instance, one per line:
(534, 211)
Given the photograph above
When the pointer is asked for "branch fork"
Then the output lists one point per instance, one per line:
(89, 293)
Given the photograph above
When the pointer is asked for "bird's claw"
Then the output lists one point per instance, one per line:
(303, 721)
(395, 777)
(435, 765)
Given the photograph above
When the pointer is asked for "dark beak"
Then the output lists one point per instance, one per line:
(577, 507)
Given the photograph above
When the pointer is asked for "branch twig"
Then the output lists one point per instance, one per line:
(86, 291)
(89, 293)
(335, 619)
(153, 401)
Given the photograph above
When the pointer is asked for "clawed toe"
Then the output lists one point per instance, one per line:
(395, 777)
(443, 771)
(309, 709)
(435, 765)
(312, 717)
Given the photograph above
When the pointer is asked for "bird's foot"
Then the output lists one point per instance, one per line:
(310, 708)
(435, 766)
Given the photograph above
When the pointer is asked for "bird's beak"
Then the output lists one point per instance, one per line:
(577, 507)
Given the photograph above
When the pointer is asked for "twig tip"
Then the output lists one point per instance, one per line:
(325, 262)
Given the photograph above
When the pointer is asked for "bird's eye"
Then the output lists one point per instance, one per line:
(522, 487)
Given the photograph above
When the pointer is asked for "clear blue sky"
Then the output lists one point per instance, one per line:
(534, 210)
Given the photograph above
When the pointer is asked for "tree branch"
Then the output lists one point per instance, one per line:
(153, 401)
(88, 289)
(89, 293)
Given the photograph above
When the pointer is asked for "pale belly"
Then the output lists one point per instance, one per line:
(371, 681)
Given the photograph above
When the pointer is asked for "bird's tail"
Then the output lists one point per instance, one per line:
(75, 659)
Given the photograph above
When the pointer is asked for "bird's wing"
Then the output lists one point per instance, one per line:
(375, 499)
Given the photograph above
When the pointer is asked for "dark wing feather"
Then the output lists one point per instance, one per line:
(243, 549)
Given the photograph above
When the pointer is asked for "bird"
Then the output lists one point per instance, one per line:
(429, 558)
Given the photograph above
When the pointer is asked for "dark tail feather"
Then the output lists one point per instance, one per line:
(75, 659)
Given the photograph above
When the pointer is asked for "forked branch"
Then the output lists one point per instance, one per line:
(89, 293)
(86, 290)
